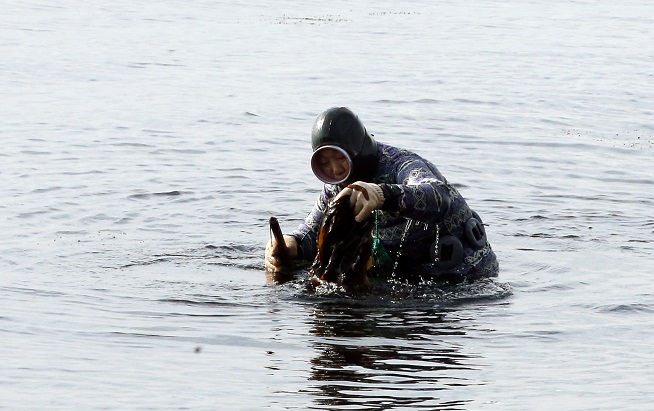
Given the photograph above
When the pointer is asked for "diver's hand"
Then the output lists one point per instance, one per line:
(272, 261)
(364, 198)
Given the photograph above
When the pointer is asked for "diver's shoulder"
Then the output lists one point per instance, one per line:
(390, 152)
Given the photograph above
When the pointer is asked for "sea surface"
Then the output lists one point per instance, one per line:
(145, 145)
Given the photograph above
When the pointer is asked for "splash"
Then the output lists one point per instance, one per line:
(393, 292)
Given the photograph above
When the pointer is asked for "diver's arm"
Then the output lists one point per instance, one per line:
(421, 195)
(306, 234)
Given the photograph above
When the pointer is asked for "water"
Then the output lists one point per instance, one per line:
(145, 146)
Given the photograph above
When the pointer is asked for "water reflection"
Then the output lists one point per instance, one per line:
(374, 358)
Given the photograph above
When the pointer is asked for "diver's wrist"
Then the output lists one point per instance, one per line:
(392, 194)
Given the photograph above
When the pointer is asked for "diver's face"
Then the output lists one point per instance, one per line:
(333, 164)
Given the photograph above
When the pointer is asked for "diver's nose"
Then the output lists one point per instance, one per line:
(337, 168)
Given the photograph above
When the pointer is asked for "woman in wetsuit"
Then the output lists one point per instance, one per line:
(423, 222)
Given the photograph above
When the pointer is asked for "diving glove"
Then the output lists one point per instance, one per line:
(364, 198)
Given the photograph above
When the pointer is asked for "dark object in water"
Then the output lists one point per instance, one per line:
(344, 247)
(282, 251)
(285, 272)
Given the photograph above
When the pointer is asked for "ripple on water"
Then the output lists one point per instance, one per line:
(392, 293)
(630, 308)
(143, 196)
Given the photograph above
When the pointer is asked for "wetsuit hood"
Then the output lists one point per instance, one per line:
(340, 127)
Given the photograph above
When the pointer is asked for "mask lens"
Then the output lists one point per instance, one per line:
(331, 164)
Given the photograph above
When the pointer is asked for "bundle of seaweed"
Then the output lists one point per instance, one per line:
(344, 248)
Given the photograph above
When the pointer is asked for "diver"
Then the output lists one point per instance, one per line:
(421, 221)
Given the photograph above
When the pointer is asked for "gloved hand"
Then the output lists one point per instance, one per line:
(271, 260)
(364, 198)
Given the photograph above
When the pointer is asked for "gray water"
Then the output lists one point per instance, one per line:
(146, 144)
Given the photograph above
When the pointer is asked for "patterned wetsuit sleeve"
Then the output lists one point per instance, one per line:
(307, 232)
(420, 195)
